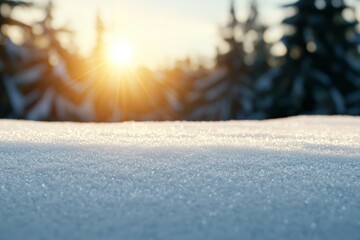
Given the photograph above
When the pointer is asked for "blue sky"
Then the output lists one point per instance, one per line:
(159, 30)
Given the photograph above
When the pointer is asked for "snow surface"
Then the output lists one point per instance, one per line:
(296, 178)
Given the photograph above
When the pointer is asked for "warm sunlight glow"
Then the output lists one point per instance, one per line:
(120, 53)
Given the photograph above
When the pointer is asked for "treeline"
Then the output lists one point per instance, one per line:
(319, 72)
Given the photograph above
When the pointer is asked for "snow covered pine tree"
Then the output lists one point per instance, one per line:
(177, 83)
(257, 58)
(57, 95)
(12, 60)
(320, 74)
(228, 92)
(35, 76)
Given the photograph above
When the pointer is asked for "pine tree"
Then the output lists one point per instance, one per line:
(228, 92)
(12, 59)
(177, 85)
(102, 93)
(319, 74)
(257, 56)
(217, 96)
(55, 95)
(100, 35)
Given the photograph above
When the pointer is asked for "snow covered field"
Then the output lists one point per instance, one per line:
(296, 178)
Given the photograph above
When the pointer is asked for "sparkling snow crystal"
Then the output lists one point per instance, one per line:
(297, 178)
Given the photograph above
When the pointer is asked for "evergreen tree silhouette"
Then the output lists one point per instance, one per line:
(178, 87)
(217, 96)
(12, 60)
(319, 74)
(229, 91)
(257, 58)
(48, 89)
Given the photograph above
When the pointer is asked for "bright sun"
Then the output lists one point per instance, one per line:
(119, 53)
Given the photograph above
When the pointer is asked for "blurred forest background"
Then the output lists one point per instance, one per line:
(44, 77)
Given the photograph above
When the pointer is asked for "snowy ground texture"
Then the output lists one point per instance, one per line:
(296, 178)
